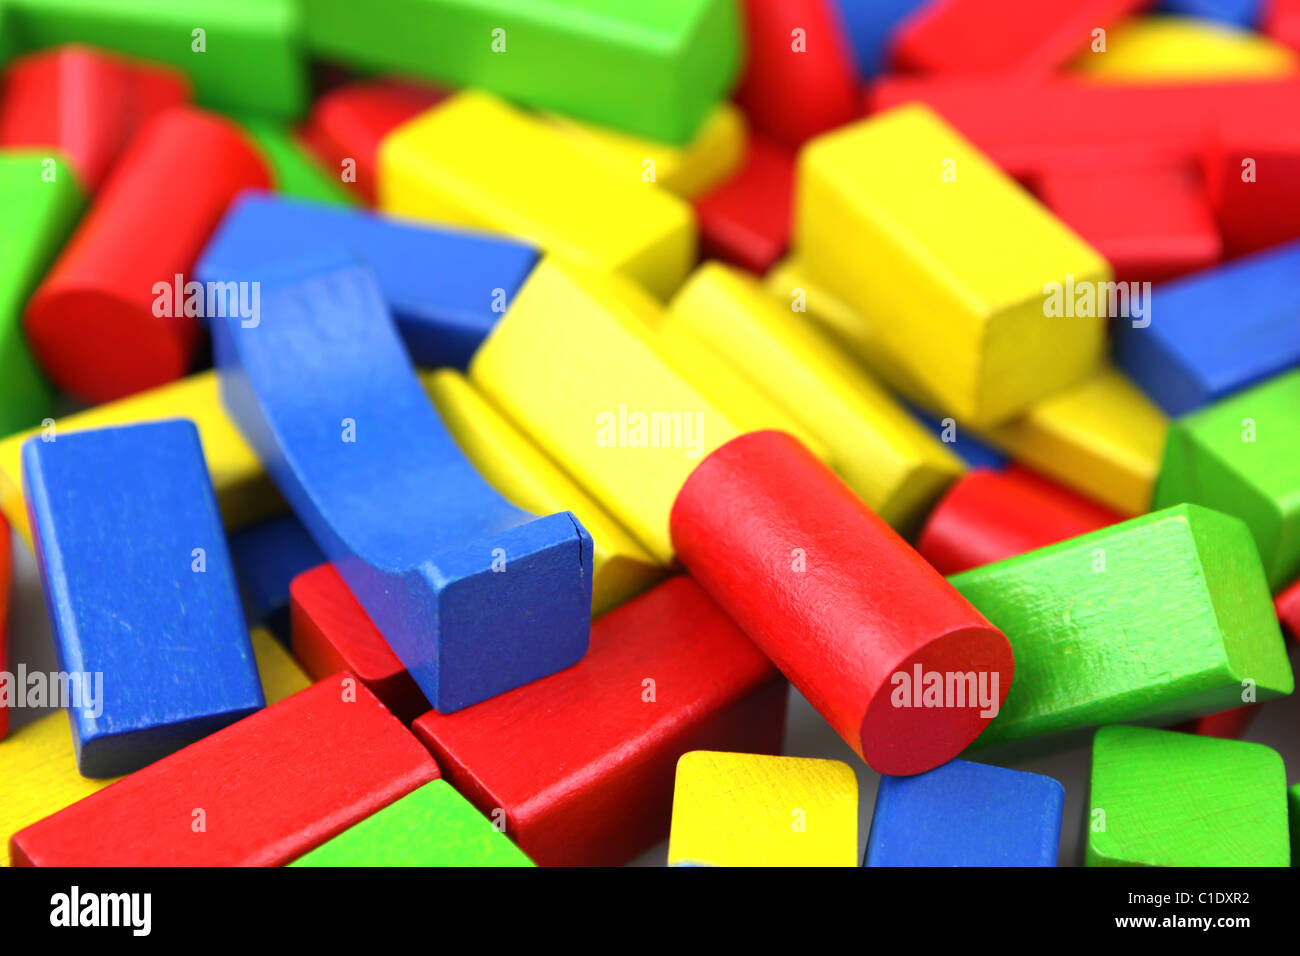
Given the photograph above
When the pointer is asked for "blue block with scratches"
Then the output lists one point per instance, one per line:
(474, 596)
(446, 288)
(870, 25)
(268, 556)
(966, 814)
(1240, 13)
(965, 446)
(1216, 332)
(139, 588)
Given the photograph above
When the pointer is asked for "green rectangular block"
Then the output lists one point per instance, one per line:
(252, 52)
(293, 171)
(431, 826)
(39, 204)
(651, 68)
(1160, 798)
(1241, 456)
(1153, 620)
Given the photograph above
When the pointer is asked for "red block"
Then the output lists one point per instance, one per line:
(331, 632)
(1030, 37)
(261, 792)
(6, 573)
(746, 220)
(1288, 609)
(86, 104)
(1253, 173)
(837, 600)
(1281, 21)
(1151, 223)
(582, 762)
(1230, 724)
(800, 77)
(94, 322)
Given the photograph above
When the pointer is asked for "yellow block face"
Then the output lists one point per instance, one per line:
(1103, 438)
(476, 161)
(687, 171)
(574, 366)
(244, 492)
(525, 477)
(752, 810)
(1181, 49)
(876, 445)
(281, 676)
(951, 260)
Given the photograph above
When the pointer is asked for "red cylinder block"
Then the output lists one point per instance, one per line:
(838, 601)
(94, 322)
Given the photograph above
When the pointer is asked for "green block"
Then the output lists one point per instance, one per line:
(655, 69)
(252, 57)
(1153, 620)
(432, 826)
(39, 204)
(1293, 801)
(293, 171)
(1241, 456)
(1161, 798)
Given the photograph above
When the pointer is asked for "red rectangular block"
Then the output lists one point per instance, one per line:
(1253, 174)
(261, 792)
(582, 762)
(746, 220)
(1282, 21)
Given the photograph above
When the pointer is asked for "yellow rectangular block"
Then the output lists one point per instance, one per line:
(752, 810)
(280, 674)
(574, 366)
(510, 462)
(911, 225)
(875, 444)
(243, 489)
(1185, 49)
(476, 161)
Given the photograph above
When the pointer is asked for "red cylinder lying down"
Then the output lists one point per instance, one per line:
(855, 618)
(102, 325)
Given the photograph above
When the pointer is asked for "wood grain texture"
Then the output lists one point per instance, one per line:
(745, 220)
(738, 809)
(1160, 798)
(582, 762)
(448, 569)
(838, 601)
(966, 814)
(1165, 49)
(338, 755)
(1090, 619)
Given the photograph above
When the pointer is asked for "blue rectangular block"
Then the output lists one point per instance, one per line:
(268, 556)
(445, 287)
(1216, 332)
(966, 814)
(870, 26)
(1241, 13)
(961, 442)
(139, 589)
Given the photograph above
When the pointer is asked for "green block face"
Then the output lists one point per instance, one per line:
(294, 172)
(1161, 798)
(1293, 801)
(1241, 456)
(431, 826)
(655, 69)
(1154, 620)
(41, 201)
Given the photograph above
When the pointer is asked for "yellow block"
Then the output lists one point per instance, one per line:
(476, 161)
(1103, 438)
(523, 474)
(574, 366)
(713, 155)
(1181, 49)
(950, 258)
(281, 676)
(244, 492)
(752, 810)
(876, 445)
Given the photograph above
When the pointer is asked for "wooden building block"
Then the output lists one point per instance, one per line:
(975, 453)
(1240, 456)
(1281, 21)
(1158, 619)
(267, 556)
(581, 763)
(654, 70)
(746, 219)
(431, 826)
(446, 288)
(172, 648)
(870, 28)
(1242, 13)
(1226, 723)
(280, 675)
(474, 595)
(338, 757)
(1252, 170)
(110, 318)
(893, 215)
(1160, 798)
(966, 814)
(458, 164)
(528, 479)
(1288, 609)
(1168, 49)
(6, 575)
(294, 172)
(738, 809)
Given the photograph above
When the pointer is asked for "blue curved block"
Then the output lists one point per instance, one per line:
(267, 557)
(966, 814)
(1241, 13)
(445, 287)
(870, 26)
(140, 592)
(1216, 332)
(473, 595)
